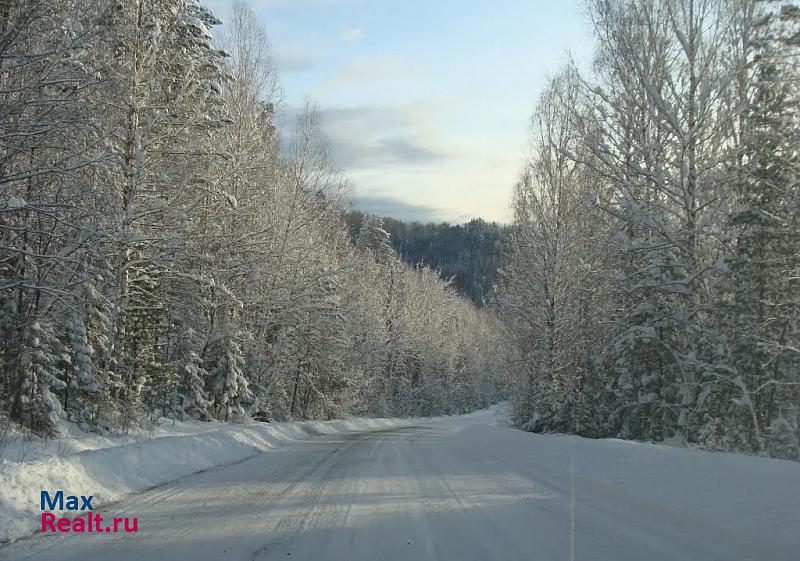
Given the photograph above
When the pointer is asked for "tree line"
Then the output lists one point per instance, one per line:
(160, 254)
(653, 284)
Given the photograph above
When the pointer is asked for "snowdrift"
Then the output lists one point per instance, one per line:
(110, 468)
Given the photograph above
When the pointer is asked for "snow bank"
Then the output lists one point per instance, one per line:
(111, 467)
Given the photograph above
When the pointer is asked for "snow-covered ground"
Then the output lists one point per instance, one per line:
(110, 467)
(456, 489)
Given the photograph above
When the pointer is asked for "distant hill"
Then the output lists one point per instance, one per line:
(471, 254)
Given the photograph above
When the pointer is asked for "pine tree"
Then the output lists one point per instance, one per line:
(195, 402)
(762, 296)
(232, 395)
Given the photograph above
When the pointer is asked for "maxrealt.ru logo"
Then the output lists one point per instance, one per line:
(68, 522)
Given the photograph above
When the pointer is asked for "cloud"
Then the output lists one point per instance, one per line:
(375, 137)
(385, 152)
(351, 34)
(377, 71)
(406, 150)
(294, 3)
(289, 63)
(395, 208)
(295, 58)
(396, 153)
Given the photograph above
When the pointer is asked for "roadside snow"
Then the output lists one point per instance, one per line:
(110, 467)
(71, 439)
(463, 487)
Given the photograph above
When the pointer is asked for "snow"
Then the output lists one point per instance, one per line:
(15, 203)
(456, 488)
(112, 467)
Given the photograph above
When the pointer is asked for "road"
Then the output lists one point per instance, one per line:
(457, 490)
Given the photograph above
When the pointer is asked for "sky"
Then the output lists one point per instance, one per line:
(426, 103)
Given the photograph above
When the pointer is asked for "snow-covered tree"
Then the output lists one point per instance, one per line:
(759, 298)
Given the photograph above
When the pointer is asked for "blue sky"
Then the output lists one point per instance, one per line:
(425, 102)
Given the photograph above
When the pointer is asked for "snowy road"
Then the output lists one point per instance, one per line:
(459, 489)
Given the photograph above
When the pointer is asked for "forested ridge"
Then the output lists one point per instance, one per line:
(653, 284)
(470, 255)
(160, 255)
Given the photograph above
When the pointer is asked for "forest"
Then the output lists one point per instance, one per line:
(469, 255)
(653, 284)
(161, 255)
(167, 250)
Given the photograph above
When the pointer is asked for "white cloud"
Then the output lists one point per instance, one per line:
(375, 71)
(351, 34)
(406, 160)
